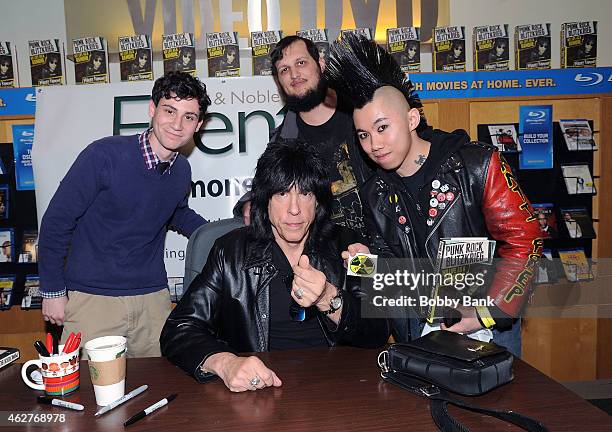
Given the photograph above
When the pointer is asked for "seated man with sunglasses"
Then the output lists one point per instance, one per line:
(277, 284)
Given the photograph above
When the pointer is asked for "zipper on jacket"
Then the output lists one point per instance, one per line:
(435, 227)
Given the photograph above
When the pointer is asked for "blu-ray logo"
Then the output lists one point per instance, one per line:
(26, 133)
(537, 115)
(590, 78)
(30, 97)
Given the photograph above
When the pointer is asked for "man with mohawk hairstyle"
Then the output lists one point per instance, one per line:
(432, 184)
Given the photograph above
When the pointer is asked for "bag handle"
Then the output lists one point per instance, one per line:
(439, 401)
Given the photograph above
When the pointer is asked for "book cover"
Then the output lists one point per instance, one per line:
(23, 139)
(532, 46)
(46, 62)
(363, 31)
(320, 39)
(404, 44)
(8, 355)
(31, 293)
(90, 61)
(135, 60)
(491, 48)
(7, 74)
(7, 245)
(449, 49)
(546, 271)
(2, 167)
(577, 222)
(504, 137)
(7, 286)
(575, 264)
(579, 44)
(4, 201)
(545, 213)
(223, 54)
(262, 43)
(179, 53)
(29, 247)
(459, 256)
(578, 179)
(577, 134)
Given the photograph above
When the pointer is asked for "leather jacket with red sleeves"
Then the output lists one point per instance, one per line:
(482, 198)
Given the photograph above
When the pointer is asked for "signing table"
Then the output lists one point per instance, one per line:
(336, 389)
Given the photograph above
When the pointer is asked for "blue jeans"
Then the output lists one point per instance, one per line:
(403, 328)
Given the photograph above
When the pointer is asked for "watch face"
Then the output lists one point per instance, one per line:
(336, 302)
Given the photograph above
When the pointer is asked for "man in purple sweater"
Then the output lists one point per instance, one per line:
(102, 237)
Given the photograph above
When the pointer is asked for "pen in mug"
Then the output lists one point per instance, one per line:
(41, 349)
(49, 343)
(142, 414)
(125, 398)
(68, 343)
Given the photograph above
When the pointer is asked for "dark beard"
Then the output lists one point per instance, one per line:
(311, 99)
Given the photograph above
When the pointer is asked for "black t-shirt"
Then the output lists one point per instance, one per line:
(334, 140)
(414, 185)
(285, 333)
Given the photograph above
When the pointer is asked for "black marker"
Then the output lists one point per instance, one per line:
(55, 345)
(41, 349)
(142, 414)
(60, 403)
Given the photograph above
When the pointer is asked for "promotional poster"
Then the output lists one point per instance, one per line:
(536, 136)
(23, 137)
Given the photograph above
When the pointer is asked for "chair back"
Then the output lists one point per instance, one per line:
(200, 243)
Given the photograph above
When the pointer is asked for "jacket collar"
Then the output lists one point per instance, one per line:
(259, 254)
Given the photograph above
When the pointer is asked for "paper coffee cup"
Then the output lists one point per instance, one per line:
(107, 356)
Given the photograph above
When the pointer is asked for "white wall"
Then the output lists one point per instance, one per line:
(24, 20)
(472, 13)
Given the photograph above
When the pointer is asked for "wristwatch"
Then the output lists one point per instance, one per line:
(334, 304)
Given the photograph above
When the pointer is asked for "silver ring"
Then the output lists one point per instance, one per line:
(299, 293)
(255, 381)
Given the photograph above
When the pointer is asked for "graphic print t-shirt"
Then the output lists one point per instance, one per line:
(334, 140)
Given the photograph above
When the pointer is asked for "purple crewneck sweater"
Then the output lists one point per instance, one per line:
(104, 230)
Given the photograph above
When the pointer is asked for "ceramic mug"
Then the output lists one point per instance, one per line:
(60, 373)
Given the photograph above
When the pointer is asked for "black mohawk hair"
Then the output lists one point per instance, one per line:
(356, 67)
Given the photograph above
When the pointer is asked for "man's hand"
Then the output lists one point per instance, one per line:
(469, 321)
(239, 373)
(352, 250)
(53, 309)
(310, 287)
(308, 283)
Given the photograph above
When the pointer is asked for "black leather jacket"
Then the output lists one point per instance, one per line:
(226, 308)
(487, 201)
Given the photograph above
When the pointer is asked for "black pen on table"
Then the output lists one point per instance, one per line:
(142, 414)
